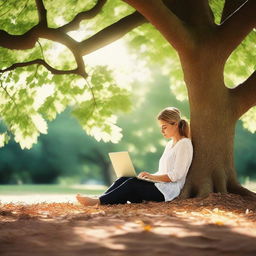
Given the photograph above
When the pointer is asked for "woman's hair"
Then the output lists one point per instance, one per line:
(171, 115)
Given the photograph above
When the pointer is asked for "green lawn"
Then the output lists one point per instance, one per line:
(61, 189)
(49, 189)
(58, 193)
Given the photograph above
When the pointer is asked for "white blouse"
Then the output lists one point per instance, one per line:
(175, 162)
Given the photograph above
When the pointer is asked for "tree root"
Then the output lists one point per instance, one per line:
(185, 193)
(216, 183)
(195, 190)
(219, 183)
(240, 190)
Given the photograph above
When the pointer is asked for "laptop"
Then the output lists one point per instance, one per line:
(123, 166)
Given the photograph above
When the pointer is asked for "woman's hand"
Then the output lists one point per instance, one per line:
(145, 175)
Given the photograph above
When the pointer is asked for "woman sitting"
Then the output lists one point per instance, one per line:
(170, 177)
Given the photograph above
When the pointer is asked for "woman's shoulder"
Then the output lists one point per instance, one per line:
(185, 142)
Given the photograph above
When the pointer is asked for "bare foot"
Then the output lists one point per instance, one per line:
(87, 201)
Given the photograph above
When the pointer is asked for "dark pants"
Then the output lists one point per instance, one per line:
(131, 189)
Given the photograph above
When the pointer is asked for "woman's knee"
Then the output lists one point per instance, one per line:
(132, 182)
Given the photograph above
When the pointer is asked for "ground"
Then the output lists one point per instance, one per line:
(217, 225)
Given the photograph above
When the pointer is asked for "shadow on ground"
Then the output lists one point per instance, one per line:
(120, 230)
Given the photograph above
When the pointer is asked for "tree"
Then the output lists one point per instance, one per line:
(203, 49)
(189, 27)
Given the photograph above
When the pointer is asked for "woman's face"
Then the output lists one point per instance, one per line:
(168, 129)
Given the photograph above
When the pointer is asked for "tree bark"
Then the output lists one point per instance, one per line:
(213, 116)
(245, 95)
(212, 169)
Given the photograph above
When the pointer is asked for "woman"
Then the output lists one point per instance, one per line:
(171, 175)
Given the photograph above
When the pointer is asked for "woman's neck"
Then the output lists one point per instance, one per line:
(177, 138)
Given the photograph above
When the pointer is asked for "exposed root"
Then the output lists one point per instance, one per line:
(203, 194)
(216, 184)
(238, 189)
(185, 192)
(219, 182)
(191, 190)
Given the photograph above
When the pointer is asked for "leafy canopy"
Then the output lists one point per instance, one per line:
(31, 96)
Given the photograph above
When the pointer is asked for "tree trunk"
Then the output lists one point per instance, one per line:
(212, 119)
(212, 169)
(106, 172)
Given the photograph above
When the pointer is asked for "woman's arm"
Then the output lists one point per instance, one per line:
(163, 178)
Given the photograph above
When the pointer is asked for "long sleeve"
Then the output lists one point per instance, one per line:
(175, 162)
(183, 159)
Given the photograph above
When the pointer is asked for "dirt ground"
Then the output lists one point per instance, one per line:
(217, 225)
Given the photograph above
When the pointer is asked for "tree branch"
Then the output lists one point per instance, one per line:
(230, 6)
(244, 95)
(80, 65)
(40, 62)
(236, 27)
(74, 24)
(100, 39)
(194, 13)
(112, 33)
(42, 12)
(170, 26)
(41, 30)
(19, 42)
(41, 49)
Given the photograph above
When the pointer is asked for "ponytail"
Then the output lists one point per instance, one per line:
(184, 128)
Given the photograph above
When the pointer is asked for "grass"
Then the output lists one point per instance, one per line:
(62, 189)
(50, 189)
(29, 194)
